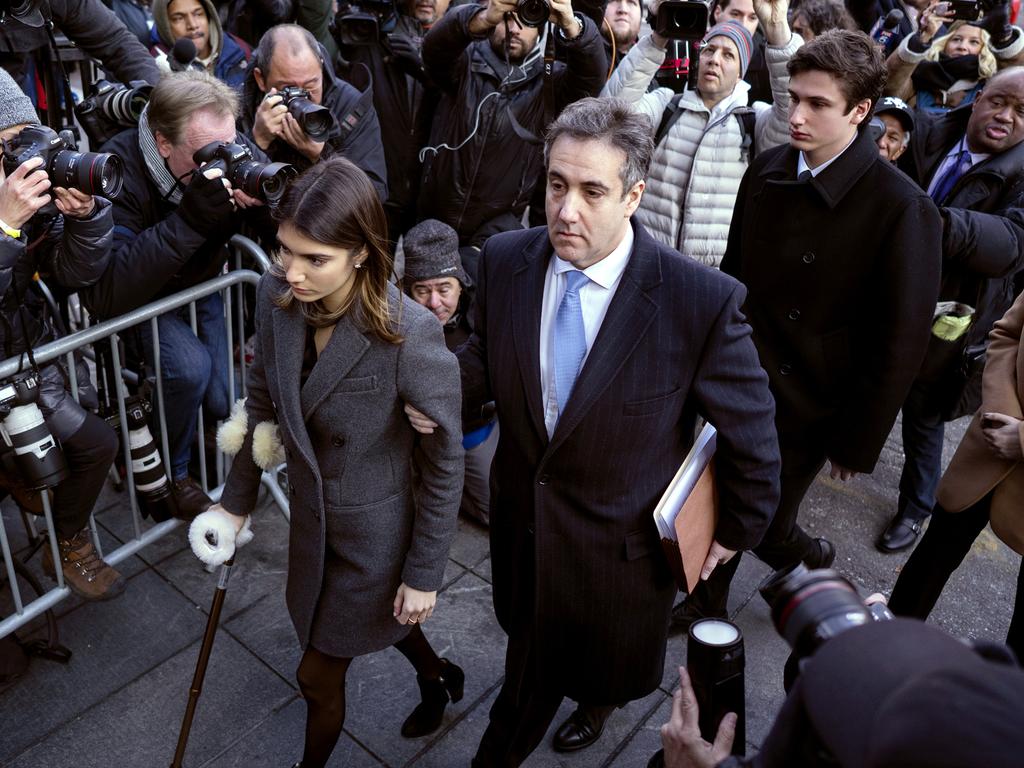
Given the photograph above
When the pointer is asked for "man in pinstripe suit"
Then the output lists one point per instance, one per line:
(598, 382)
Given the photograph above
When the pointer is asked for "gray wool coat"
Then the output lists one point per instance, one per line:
(359, 525)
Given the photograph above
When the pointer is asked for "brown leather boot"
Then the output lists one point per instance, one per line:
(190, 498)
(85, 572)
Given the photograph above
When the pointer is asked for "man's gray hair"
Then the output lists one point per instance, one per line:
(611, 121)
(179, 95)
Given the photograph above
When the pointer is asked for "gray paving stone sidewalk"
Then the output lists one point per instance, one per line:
(120, 700)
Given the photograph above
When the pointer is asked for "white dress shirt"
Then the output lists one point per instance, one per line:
(801, 163)
(595, 298)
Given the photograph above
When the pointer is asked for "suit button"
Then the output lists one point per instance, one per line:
(794, 314)
(785, 369)
(544, 479)
(808, 257)
(337, 441)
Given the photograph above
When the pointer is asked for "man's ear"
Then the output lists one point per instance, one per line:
(861, 112)
(163, 144)
(633, 197)
(261, 83)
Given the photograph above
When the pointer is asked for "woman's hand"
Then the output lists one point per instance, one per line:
(412, 606)
(23, 192)
(1002, 434)
(930, 22)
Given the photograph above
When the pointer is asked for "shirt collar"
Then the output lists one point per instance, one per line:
(609, 269)
(976, 157)
(801, 163)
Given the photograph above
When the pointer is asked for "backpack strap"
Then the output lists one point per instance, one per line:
(668, 118)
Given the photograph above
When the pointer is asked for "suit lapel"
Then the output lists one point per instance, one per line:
(630, 313)
(289, 328)
(527, 298)
(343, 351)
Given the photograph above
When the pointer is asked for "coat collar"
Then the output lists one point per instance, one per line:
(631, 311)
(835, 181)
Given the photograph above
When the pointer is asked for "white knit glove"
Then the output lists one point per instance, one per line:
(213, 535)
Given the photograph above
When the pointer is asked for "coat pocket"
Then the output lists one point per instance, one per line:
(356, 385)
(650, 405)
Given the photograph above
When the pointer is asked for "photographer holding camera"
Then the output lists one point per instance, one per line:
(706, 137)
(89, 24)
(172, 222)
(401, 91)
(298, 111)
(486, 156)
(68, 243)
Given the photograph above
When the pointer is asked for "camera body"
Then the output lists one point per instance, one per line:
(316, 120)
(680, 20)
(38, 459)
(364, 22)
(112, 108)
(95, 173)
(967, 10)
(266, 181)
(533, 13)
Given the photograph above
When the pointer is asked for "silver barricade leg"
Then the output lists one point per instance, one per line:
(161, 414)
(122, 395)
(200, 419)
(12, 579)
(51, 534)
(73, 373)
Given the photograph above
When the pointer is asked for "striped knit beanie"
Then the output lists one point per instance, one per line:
(740, 37)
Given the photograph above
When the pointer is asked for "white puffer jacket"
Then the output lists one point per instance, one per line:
(696, 170)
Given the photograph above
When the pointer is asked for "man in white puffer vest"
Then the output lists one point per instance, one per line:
(698, 163)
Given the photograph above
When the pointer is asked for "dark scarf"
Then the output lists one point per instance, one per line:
(935, 76)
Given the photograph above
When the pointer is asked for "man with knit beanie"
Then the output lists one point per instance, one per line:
(706, 137)
(434, 277)
(70, 247)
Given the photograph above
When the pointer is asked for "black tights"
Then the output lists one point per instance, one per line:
(322, 682)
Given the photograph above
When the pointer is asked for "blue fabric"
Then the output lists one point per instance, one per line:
(570, 338)
(195, 373)
(231, 66)
(472, 439)
(952, 175)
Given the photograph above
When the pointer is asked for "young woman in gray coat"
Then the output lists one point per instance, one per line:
(339, 351)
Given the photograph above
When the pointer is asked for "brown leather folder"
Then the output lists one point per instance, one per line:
(695, 528)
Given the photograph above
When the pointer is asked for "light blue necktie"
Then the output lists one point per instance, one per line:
(570, 338)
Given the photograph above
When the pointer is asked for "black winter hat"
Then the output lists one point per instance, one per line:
(431, 251)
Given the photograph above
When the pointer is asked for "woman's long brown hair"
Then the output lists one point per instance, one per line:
(334, 203)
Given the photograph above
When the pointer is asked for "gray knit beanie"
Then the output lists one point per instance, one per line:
(740, 37)
(15, 107)
(431, 251)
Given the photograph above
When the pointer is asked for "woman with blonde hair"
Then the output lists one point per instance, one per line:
(939, 73)
(339, 352)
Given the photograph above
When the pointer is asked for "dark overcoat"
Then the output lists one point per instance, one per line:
(359, 527)
(842, 273)
(576, 559)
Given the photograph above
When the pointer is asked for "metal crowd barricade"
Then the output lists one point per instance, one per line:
(233, 287)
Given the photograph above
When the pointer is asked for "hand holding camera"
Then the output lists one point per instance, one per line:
(74, 203)
(23, 193)
(491, 16)
(931, 20)
(996, 21)
(207, 203)
(269, 121)
(563, 15)
(291, 131)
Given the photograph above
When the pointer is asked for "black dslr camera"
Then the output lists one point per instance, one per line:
(363, 22)
(809, 607)
(266, 181)
(680, 20)
(37, 459)
(112, 108)
(95, 173)
(533, 13)
(316, 120)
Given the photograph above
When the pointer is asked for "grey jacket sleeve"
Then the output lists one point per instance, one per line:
(772, 126)
(82, 251)
(428, 380)
(243, 481)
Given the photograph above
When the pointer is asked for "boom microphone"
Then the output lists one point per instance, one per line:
(183, 55)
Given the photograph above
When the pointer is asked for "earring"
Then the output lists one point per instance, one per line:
(358, 264)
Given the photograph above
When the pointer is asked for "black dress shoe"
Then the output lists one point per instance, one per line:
(901, 534)
(582, 728)
(826, 555)
(686, 612)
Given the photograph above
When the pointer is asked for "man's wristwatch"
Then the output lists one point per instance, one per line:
(579, 24)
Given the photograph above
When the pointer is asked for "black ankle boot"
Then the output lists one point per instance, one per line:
(435, 694)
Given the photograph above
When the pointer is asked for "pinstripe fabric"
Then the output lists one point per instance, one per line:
(574, 551)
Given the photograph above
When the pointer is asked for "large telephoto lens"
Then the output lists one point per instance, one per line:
(316, 120)
(37, 456)
(95, 173)
(125, 105)
(809, 607)
(533, 13)
(266, 181)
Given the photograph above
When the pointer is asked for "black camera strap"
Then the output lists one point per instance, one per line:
(547, 92)
(69, 99)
